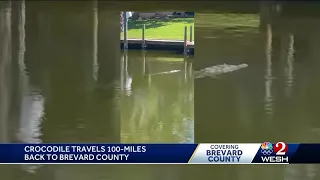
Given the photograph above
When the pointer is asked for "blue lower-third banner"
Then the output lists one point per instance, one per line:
(206, 153)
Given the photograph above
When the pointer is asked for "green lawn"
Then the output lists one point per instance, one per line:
(172, 29)
(228, 22)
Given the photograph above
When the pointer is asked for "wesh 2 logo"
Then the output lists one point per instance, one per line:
(276, 153)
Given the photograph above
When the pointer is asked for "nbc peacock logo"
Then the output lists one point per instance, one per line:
(266, 148)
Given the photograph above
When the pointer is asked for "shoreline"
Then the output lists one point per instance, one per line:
(161, 45)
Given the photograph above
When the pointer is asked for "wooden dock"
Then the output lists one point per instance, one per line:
(169, 45)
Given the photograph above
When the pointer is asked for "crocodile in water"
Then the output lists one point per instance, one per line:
(213, 71)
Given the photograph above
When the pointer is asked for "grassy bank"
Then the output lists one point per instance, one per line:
(172, 29)
(228, 22)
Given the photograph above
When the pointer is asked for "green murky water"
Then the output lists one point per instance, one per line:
(61, 81)
(156, 103)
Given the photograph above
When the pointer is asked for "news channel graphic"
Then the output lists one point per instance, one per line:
(272, 153)
(96, 153)
(255, 153)
(208, 153)
(283, 153)
(128, 153)
(221, 153)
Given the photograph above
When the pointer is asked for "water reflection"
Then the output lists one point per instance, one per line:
(51, 89)
(5, 65)
(63, 85)
(65, 90)
(289, 69)
(32, 111)
(126, 79)
(274, 98)
(32, 101)
(268, 77)
(156, 98)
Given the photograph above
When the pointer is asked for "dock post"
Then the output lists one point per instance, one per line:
(185, 50)
(125, 31)
(143, 37)
(190, 33)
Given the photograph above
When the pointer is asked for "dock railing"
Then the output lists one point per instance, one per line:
(186, 44)
(143, 37)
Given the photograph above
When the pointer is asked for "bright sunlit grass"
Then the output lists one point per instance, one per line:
(169, 29)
